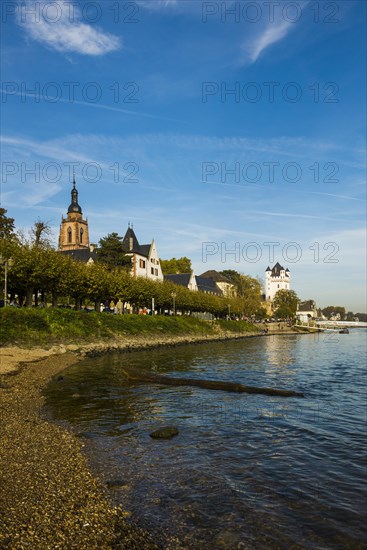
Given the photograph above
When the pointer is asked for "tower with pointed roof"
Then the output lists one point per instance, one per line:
(74, 234)
(276, 279)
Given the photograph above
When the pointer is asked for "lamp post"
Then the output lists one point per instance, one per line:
(6, 262)
(174, 302)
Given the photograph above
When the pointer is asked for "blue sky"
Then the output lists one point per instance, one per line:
(231, 123)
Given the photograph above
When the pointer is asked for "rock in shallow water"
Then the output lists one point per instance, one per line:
(117, 484)
(164, 433)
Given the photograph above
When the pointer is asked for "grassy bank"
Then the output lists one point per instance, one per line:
(53, 325)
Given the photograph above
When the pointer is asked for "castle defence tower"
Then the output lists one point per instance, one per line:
(74, 234)
(276, 279)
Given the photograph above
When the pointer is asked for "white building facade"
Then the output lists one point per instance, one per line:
(144, 257)
(276, 279)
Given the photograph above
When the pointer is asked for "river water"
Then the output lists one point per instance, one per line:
(245, 471)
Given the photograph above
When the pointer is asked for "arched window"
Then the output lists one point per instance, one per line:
(81, 235)
(70, 237)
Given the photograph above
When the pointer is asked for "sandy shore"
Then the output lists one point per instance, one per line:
(48, 496)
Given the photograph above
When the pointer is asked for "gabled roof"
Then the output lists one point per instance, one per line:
(181, 279)
(207, 285)
(216, 276)
(267, 269)
(81, 254)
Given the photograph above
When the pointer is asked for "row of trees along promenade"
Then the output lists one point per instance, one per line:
(39, 270)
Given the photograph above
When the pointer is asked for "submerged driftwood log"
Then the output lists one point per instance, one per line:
(145, 376)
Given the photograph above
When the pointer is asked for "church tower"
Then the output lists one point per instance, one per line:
(74, 234)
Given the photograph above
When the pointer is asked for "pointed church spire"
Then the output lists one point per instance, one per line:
(74, 206)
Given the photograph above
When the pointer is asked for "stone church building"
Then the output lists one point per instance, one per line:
(74, 232)
(74, 241)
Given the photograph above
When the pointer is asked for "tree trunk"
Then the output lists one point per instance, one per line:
(54, 299)
(145, 376)
(29, 297)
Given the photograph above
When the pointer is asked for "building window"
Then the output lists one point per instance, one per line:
(142, 264)
(156, 272)
(81, 235)
(70, 237)
(152, 270)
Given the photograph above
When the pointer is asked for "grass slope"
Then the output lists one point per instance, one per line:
(52, 325)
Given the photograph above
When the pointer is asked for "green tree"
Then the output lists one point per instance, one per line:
(333, 310)
(232, 275)
(247, 288)
(285, 303)
(6, 225)
(112, 253)
(24, 275)
(98, 283)
(176, 265)
(244, 283)
(261, 313)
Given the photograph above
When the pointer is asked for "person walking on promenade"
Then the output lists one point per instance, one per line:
(119, 307)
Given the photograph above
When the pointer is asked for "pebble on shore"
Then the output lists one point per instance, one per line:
(48, 496)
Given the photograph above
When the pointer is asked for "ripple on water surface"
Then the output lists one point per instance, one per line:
(245, 471)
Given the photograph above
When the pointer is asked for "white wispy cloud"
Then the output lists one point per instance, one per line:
(165, 161)
(272, 33)
(156, 4)
(100, 106)
(53, 149)
(64, 31)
